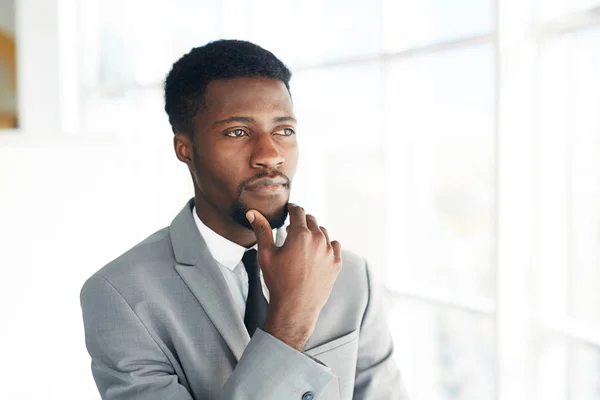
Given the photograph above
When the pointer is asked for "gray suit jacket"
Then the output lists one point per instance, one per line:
(160, 323)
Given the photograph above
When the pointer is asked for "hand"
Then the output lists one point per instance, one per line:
(300, 274)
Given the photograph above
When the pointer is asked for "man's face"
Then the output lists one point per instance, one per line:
(245, 149)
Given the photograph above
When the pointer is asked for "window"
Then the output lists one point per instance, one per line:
(408, 25)
(454, 144)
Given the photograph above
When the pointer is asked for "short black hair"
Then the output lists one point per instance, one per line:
(186, 83)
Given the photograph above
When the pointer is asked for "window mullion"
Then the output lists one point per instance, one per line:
(46, 66)
(515, 197)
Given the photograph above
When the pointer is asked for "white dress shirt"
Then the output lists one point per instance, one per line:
(228, 256)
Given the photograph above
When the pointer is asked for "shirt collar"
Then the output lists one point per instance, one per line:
(224, 251)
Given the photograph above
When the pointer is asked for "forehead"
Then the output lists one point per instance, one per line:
(247, 96)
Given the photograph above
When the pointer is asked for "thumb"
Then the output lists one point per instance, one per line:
(262, 229)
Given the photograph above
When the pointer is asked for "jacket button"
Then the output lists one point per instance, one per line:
(308, 396)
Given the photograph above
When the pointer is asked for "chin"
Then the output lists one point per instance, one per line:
(275, 215)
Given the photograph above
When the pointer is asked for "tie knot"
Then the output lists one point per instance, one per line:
(251, 264)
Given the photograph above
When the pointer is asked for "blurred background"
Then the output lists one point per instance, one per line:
(455, 144)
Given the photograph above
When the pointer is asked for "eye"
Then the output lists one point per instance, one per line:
(236, 133)
(285, 132)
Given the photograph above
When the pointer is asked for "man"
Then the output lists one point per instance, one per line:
(213, 307)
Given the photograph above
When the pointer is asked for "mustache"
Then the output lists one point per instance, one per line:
(265, 174)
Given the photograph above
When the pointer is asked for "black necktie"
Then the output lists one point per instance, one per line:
(256, 304)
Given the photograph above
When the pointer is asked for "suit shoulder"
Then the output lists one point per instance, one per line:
(351, 258)
(153, 252)
(354, 264)
(353, 275)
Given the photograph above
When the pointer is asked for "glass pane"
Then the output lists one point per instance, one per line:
(443, 353)
(570, 100)
(567, 369)
(418, 23)
(340, 107)
(585, 4)
(136, 42)
(552, 370)
(8, 66)
(584, 104)
(324, 30)
(341, 170)
(351, 28)
(553, 9)
(132, 114)
(440, 164)
(584, 372)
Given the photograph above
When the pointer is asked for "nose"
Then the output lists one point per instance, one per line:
(266, 153)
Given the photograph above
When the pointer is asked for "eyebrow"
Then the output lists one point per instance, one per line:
(248, 120)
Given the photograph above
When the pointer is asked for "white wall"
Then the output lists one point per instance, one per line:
(67, 207)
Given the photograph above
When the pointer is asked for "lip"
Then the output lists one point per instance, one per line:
(266, 182)
(266, 189)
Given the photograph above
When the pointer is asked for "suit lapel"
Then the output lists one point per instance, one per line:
(201, 274)
(209, 287)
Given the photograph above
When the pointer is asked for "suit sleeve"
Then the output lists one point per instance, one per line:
(128, 364)
(377, 376)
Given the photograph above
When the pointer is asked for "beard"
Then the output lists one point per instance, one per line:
(239, 209)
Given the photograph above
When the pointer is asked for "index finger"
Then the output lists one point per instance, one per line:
(262, 229)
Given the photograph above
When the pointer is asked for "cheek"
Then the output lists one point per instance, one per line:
(220, 177)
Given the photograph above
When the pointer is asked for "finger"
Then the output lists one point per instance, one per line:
(312, 224)
(337, 250)
(262, 229)
(297, 216)
(326, 233)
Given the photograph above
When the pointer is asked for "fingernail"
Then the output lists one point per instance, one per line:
(250, 216)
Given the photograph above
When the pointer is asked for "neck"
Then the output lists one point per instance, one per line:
(222, 224)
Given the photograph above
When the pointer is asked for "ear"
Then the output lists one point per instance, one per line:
(184, 149)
